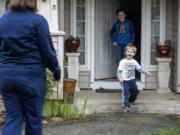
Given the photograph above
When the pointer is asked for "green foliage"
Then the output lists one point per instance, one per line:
(50, 84)
(63, 109)
(172, 131)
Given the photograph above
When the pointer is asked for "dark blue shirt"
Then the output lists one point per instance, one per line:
(25, 40)
(122, 32)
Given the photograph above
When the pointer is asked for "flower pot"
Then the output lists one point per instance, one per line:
(69, 89)
(72, 45)
(163, 50)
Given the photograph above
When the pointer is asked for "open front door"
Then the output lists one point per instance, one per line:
(105, 66)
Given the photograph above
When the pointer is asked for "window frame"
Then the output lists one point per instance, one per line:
(162, 34)
(86, 66)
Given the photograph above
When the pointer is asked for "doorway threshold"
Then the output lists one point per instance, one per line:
(108, 84)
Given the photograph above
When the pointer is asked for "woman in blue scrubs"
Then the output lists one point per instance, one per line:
(26, 49)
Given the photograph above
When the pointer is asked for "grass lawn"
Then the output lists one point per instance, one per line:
(172, 131)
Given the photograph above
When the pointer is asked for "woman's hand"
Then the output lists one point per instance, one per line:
(56, 82)
(120, 81)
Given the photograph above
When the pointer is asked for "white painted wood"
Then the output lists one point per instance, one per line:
(92, 41)
(144, 31)
(163, 74)
(61, 14)
(88, 28)
(58, 41)
(73, 68)
(54, 15)
(50, 11)
(105, 66)
(162, 30)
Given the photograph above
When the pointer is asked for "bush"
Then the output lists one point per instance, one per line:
(61, 108)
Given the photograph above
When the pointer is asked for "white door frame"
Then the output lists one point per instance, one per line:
(143, 41)
(146, 34)
(92, 53)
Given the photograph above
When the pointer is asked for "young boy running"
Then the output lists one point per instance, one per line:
(126, 76)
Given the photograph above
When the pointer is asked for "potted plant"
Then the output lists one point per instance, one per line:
(69, 89)
(72, 44)
(164, 49)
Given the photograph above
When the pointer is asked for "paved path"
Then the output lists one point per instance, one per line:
(114, 124)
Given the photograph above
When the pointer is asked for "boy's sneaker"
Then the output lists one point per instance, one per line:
(126, 109)
(133, 103)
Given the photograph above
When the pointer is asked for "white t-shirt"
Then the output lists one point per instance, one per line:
(128, 67)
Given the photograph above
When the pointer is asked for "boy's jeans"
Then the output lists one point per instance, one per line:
(120, 53)
(130, 92)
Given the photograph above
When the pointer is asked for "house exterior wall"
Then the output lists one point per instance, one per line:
(151, 82)
(172, 33)
(50, 11)
(84, 76)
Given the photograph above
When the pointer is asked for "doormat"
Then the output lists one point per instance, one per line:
(102, 90)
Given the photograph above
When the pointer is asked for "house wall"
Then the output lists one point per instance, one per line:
(84, 76)
(49, 10)
(151, 82)
(172, 33)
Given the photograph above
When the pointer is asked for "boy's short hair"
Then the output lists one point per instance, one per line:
(133, 47)
(120, 10)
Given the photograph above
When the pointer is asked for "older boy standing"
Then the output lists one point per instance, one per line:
(122, 34)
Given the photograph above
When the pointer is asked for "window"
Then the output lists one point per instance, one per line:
(80, 28)
(2, 6)
(157, 27)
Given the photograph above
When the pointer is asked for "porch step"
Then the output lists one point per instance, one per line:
(144, 108)
(111, 85)
(147, 102)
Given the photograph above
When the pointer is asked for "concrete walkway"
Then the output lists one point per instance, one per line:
(113, 124)
(147, 102)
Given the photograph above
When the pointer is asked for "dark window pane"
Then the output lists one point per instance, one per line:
(80, 2)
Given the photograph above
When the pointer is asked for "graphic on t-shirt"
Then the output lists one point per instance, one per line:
(129, 70)
(122, 29)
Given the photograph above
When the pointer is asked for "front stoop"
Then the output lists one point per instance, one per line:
(148, 102)
(153, 109)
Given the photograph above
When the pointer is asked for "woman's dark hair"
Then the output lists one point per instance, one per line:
(23, 5)
(120, 10)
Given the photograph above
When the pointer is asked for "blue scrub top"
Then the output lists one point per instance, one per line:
(25, 40)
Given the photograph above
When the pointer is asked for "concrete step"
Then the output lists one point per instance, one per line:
(146, 108)
(147, 102)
